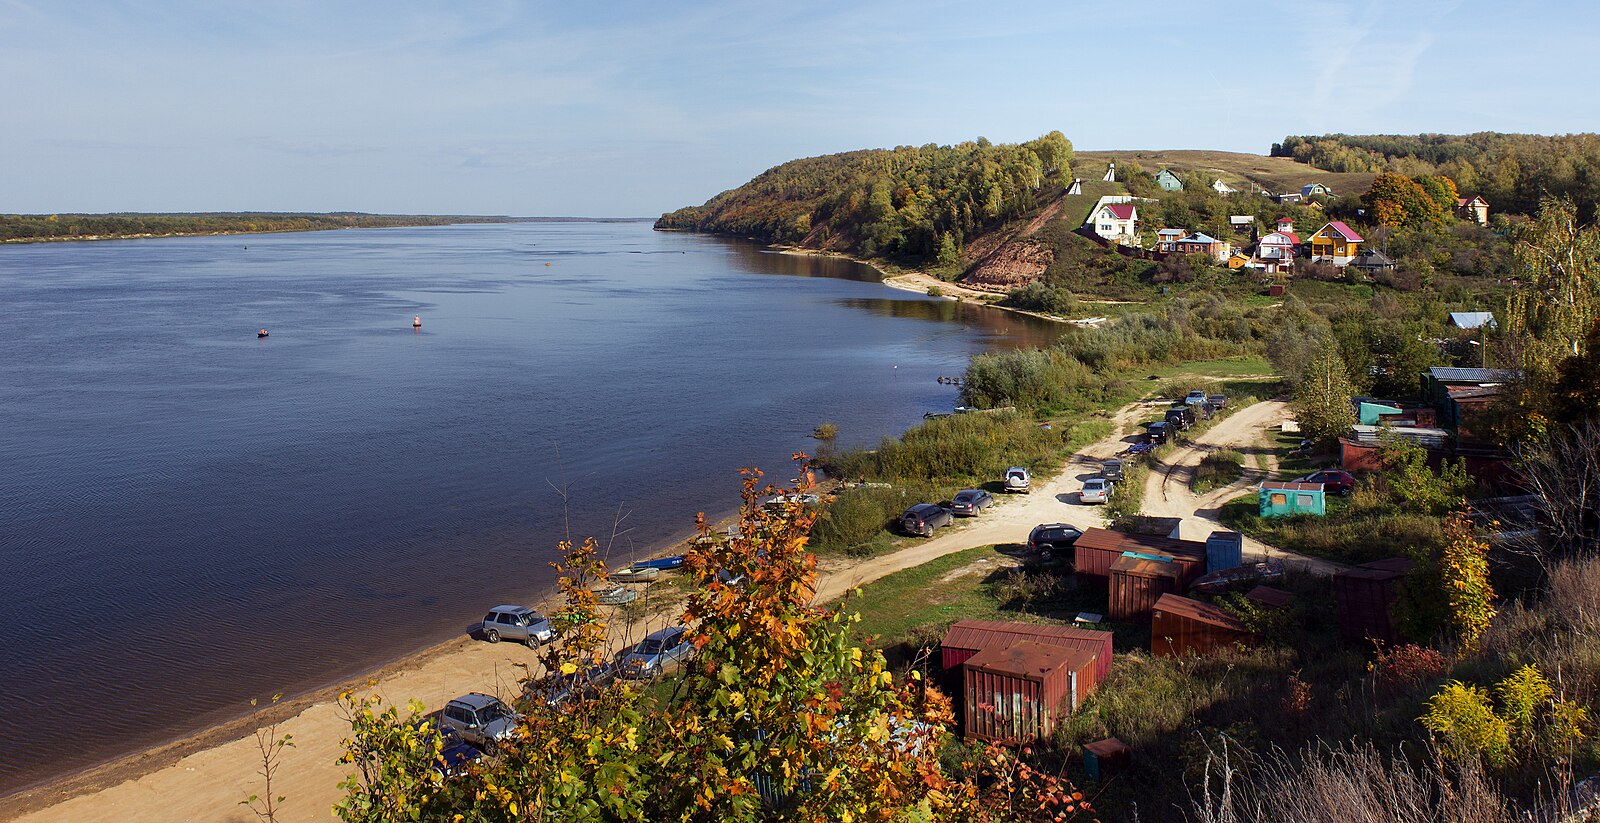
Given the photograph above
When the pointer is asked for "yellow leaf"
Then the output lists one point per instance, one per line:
(569, 668)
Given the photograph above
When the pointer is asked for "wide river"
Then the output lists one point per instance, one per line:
(191, 516)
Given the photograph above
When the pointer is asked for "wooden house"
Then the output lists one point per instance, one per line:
(1278, 498)
(1474, 208)
(1242, 223)
(1199, 243)
(1180, 627)
(1168, 181)
(1335, 243)
(1117, 222)
(1167, 239)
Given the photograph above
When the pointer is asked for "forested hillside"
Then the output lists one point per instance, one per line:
(1512, 171)
(917, 204)
(72, 226)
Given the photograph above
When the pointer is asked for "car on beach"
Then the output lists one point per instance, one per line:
(518, 623)
(657, 652)
(1332, 480)
(970, 502)
(1095, 490)
(455, 754)
(1048, 538)
(481, 720)
(923, 519)
(560, 689)
(1018, 481)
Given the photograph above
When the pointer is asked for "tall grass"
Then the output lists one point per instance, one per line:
(962, 449)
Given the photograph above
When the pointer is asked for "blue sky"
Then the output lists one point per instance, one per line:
(623, 108)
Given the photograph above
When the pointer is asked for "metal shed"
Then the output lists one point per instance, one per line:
(1281, 499)
(1365, 596)
(1268, 597)
(1224, 550)
(1180, 626)
(1097, 549)
(1103, 757)
(1019, 693)
(968, 637)
(1138, 580)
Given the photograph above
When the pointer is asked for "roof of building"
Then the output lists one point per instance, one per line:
(1270, 597)
(1287, 235)
(1121, 211)
(1166, 172)
(983, 634)
(1200, 612)
(1283, 220)
(1167, 232)
(1471, 392)
(1106, 539)
(1026, 658)
(1146, 564)
(1462, 201)
(1241, 219)
(1282, 485)
(1308, 188)
(1471, 319)
(1452, 374)
(1372, 258)
(1387, 569)
(1344, 231)
(1200, 237)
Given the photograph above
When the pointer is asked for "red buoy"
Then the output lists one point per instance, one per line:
(416, 321)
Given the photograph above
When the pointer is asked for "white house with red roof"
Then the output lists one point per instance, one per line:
(1275, 252)
(1117, 222)
(1335, 243)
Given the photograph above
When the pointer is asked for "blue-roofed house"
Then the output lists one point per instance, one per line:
(1460, 393)
(1169, 181)
(1310, 190)
(1198, 243)
(1472, 319)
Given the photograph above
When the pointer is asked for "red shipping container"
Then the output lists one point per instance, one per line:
(1365, 598)
(1180, 626)
(968, 637)
(1019, 694)
(1138, 581)
(1097, 549)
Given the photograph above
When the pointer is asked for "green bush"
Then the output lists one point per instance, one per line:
(1127, 497)
(1216, 470)
(854, 522)
(962, 449)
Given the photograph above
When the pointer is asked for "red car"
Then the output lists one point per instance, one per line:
(1332, 480)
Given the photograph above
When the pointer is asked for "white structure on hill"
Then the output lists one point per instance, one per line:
(1111, 173)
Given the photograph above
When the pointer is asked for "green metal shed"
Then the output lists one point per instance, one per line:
(1280, 499)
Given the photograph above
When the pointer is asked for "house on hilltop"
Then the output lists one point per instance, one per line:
(1167, 239)
(1222, 188)
(1310, 190)
(1117, 222)
(1169, 181)
(1335, 243)
(1473, 208)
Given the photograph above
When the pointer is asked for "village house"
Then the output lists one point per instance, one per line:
(1169, 181)
(1472, 319)
(1222, 188)
(1311, 190)
(1287, 197)
(1372, 261)
(1117, 222)
(1275, 252)
(1242, 223)
(1474, 208)
(1335, 243)
(1167, 239)
(1198, 243)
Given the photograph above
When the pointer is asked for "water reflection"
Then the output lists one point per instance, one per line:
(756, 258)
(1021, 330)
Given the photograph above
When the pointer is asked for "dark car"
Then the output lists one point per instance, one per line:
(922, 519)
(1048, 538)
(1181, 417)
(560, 689)
(970, 502)
(1112, 470)
(1332, 480)
(454, 753)
(1157, 432)
(1218, 401)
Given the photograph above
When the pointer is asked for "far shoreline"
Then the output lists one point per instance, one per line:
(464, 220)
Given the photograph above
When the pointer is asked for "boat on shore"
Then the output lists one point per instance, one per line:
(635, 574)
(616, 596)
(660, 563)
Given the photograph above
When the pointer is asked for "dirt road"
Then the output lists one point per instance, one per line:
(1167, 490)
(205, 778)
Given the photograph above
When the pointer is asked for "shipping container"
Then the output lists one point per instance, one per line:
(1019, 693)
(1365, 598)
(1224, 550)
(1277, 498)
(968, 637)
(1103, 758)
(1268, 597)
(1180, 627)
(1097, 549)
(1138, 580)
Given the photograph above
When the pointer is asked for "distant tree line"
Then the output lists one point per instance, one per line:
(912, 204)
(1511, 171)
(128, 224)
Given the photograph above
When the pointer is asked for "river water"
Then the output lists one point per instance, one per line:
(191, 516)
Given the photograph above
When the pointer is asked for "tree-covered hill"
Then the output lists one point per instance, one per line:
(18, 227)
(1511, 171)
(917, 204)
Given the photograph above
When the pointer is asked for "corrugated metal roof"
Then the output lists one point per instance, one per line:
(1199, 237)
(1270, 597)
(1028, 659)
(1281, 485)
(1170, 232)
(1451, 374)
(1344, 231)
(1097, 538)
(1199, 612)
(1146, 565)
(1471, 319)
(1121, 211)
(1469, 392)
(981, 634)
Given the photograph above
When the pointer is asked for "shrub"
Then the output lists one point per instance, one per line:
(1127, 497)
(1407, 667)
(826, 431)
(1466, 725)
(935, 291)
(1216, 470)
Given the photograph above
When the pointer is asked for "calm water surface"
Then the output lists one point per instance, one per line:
(191, 517)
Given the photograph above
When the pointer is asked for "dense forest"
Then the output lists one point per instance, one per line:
(1511, 171)
(915, 204)
(14, 227)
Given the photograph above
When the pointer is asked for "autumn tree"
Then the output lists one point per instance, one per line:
(1400, 201)
(1322, 399)
(1464, 573)
(1560, 301)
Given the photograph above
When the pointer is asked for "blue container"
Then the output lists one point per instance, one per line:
(1224, 550)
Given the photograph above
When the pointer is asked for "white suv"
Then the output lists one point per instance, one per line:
(1018, 480)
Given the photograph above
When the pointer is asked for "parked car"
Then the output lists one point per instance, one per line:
(517, 623)
(1112, 470)
(1018, 480)
(1048, 538)
(1157, 432)
(971, 502)
(1205, 409)
(564, 687)
(1332, 480)
(1181, 417)
(922, 519)
(454, 753)
(1218, 401)
(1095, 490)
(1194, 398)
(657, 651)
(481, 720)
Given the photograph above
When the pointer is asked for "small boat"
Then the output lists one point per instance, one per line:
(662, 563)
(1223, 580)
(616, 596)
(635, 574)
(262, 333)
(416, 321)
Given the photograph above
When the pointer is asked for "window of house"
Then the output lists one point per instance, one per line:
(1303, 500)
(1280, 499)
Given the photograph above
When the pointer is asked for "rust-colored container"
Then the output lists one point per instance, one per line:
(1365, 598)
(1268, 597)
(1018, 694)
(1103, 758)
(1138, 581)
(1097, 549)
(1180, 626)
(968, 637)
